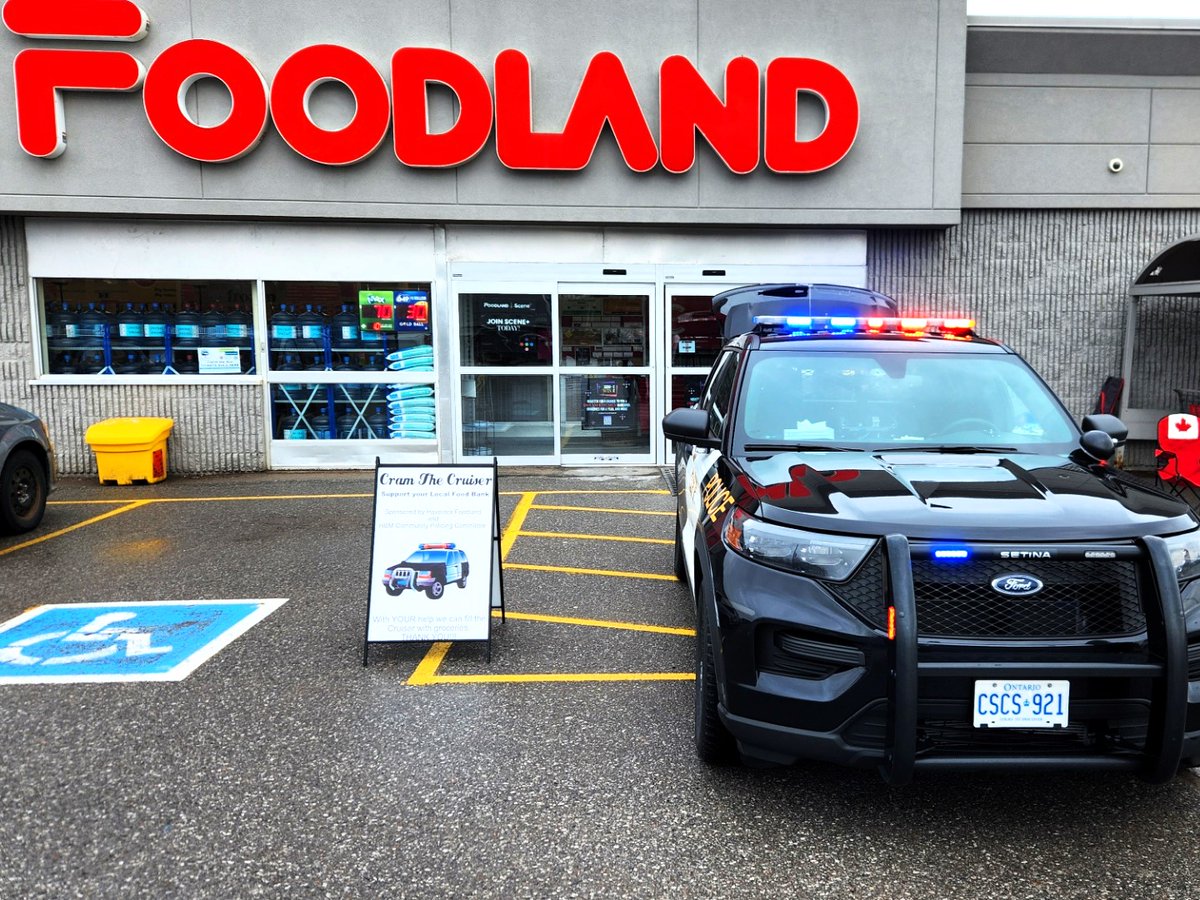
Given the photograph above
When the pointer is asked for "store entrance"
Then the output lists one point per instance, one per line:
(558, 373)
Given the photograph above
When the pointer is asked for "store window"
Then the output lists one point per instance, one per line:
(96, 326)
(351, 329)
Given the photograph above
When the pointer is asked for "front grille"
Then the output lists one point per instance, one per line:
(864, 592)
(1081, 598)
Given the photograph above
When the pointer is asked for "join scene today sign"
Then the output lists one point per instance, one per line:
(433, 554)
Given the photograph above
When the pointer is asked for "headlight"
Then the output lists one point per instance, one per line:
(1185, 554)
(830, 557)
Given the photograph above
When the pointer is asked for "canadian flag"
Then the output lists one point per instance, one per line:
(1183, 427)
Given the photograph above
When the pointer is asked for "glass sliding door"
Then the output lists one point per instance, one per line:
(606, 409)
(506, 365)
(556, 373)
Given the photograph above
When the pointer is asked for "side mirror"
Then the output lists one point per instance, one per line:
(1097, 444)
(1110, 425)
(688, 426)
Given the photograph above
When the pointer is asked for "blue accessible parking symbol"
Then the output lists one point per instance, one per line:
(98, 642)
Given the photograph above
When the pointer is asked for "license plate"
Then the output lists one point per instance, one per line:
(1021, 704)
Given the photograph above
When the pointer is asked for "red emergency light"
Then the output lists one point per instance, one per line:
(825, 325)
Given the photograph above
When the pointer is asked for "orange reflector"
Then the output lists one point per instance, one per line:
(891, 623)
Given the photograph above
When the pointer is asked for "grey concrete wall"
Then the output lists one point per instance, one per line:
(904, 57)
(1052, 285)
(1048, 109)
(218, 428)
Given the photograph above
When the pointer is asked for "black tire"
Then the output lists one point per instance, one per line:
(714, 744)
(435, 590)
(393, 591)
(462, 582)
(680, 566)
(23, 491)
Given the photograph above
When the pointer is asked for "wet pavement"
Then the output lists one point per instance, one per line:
(562, 768)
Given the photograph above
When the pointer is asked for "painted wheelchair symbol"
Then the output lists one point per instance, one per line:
(100, 638)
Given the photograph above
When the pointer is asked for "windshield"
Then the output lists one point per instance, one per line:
(426, 556)
(900, 400)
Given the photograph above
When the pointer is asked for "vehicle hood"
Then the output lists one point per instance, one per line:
(955, 496)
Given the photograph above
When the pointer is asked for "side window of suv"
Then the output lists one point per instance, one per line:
(719, 393)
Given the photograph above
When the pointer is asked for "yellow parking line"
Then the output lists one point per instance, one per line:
(515, 521)
(599, 623)
(597, 509)
(426, 670)
(595, 537)
(570, 570)
(53, 534)
(561, 677)
(654, 492)
(354, 496)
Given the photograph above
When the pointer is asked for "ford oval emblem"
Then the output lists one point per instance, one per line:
(1017, 585)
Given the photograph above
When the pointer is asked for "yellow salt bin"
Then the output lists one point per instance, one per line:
(130, 449)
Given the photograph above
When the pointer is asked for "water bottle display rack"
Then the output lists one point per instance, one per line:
(293, 338)
(104, 349)
(354, 412)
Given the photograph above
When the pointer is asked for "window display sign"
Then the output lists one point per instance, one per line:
(412, 311)
(610, 403)
(392, 311)
(435, 554)
(219, 360)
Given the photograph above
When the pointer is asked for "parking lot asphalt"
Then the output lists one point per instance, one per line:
(282, 767)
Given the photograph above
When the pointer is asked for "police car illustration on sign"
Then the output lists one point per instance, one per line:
(856, 489)
(429, 568)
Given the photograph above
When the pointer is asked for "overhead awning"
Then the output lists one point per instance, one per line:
(1174, 271)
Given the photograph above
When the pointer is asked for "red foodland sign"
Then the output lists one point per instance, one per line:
(754, 120)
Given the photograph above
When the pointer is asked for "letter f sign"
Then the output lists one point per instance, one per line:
(41, 75)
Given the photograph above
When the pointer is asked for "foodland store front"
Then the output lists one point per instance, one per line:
(548, 294)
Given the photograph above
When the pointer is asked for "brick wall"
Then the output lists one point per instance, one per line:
(1052, 284)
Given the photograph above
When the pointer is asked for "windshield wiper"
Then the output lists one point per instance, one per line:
(785, 445)
(945, 448)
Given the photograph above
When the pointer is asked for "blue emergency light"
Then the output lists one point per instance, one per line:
(952, 554)
(906, 327)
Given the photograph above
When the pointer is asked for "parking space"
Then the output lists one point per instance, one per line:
(282, 767)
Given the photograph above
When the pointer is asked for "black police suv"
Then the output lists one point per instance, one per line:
(906, 555)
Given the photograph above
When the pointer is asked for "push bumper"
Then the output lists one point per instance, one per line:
(892, 699)
(1165, 738)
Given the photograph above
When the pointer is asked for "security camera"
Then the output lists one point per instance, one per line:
(1115, 165)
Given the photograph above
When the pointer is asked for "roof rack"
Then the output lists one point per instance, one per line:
(741, 305)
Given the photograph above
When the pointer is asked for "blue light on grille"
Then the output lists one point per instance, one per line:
(952, 554)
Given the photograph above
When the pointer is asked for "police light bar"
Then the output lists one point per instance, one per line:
(435, 547)
(909, 327)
